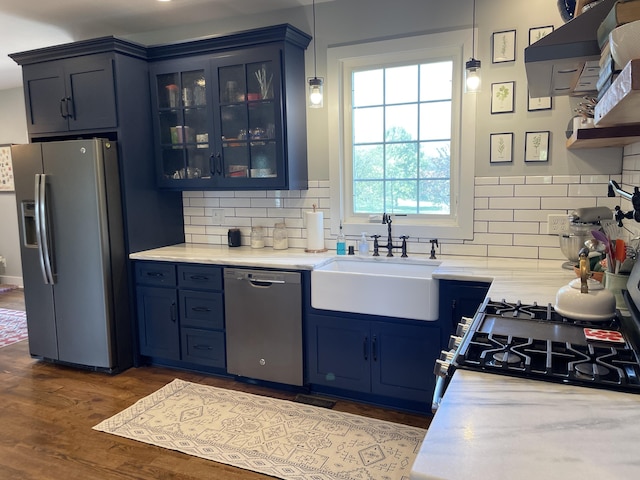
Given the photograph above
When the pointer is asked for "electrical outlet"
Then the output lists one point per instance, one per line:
(557, 224)
(217, 215)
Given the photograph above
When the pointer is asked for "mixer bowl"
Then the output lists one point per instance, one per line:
(570, 244)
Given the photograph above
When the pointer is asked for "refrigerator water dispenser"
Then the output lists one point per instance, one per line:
(28, 209)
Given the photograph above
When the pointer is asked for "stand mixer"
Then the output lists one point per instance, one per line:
(581, 222)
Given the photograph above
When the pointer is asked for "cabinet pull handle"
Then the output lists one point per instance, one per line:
(155, 274)
(62, 104)
(201, 309)
(174, 312)
(212, 164)
(203, 347)
(199, 278)
(365, 349)
(70, 109)
(374, 348)
(219, 156)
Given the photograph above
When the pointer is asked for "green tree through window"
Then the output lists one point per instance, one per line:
(402, 139)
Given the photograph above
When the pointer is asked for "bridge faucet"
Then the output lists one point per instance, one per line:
(386, 218)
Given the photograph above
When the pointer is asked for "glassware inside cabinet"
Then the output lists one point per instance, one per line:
(188, 163)
(263, 160)
(168, 90)
(233, 85)
(260, 81)
(234, 122)
(194, 92)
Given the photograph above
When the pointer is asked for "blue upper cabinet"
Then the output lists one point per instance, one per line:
(72, 88)
(229, 112)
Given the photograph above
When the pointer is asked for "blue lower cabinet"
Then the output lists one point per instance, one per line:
(203, 347)
(392, 359)
(338, 353)
(158, 326)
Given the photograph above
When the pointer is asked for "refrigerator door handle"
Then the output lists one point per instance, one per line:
(42, 235)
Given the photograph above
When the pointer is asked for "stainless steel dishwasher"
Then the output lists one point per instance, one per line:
(263, 315)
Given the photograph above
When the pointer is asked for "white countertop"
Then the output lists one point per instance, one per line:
(497, 427)
(512, 279)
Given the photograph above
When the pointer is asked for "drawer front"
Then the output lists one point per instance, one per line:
(201, 309)
(203, 348)
(156, 273)
(202, 278)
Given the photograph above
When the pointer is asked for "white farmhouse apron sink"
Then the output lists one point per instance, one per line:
(393, 287)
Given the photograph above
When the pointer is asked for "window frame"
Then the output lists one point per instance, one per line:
(340, 62)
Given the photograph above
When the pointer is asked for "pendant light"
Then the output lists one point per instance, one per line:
(472, 67)
(316, 87)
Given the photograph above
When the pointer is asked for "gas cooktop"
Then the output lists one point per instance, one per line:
(534, 341)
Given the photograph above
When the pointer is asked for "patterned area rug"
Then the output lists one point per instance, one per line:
(275, 437)
(13, 326)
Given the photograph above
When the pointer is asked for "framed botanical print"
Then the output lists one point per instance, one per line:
(504, 46)
(6, 169)
(540, 103)
(501, 148)
(536, 146)
(502, 97)
(537, 33)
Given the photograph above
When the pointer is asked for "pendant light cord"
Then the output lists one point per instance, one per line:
(315, 69)
(473, 32)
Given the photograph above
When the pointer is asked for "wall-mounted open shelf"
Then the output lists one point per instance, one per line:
(604, 137)
(617, 114)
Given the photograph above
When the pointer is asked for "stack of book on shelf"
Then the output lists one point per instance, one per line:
(623, 11)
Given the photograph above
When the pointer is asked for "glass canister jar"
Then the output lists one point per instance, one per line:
(257, 237)
(280, 238)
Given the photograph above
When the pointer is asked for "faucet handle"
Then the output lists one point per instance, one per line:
(375, 245)
(404, 245)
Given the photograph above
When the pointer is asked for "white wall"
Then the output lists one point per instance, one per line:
(13, 129)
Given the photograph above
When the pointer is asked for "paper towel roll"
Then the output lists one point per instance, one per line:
(315, 231)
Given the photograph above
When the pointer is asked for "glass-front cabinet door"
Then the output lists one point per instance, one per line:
(183, 123)
(218, 121)
(250, 119)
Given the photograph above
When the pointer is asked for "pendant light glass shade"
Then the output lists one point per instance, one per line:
(316, 92)
(473, 81)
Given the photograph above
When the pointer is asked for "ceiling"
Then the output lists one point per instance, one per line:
(31, 24)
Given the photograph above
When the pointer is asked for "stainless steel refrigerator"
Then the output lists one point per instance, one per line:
(73, 254)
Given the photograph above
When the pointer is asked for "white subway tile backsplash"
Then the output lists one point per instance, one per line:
(515, 202)
(543, 190)
(539, 179)
(481, 202)
(493, 238)
(588, 190)
(487, 180)
(511, 252)
(568, 179)
(235, 202)
(503, 215)
(513, 180)
(494, 191)
(566, 203)
(513, 227)
(589, 179)
(510, 212)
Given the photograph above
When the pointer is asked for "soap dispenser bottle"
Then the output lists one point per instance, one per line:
(341, 244)
(363, 246)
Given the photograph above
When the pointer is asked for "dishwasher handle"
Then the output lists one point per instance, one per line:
(262, 283)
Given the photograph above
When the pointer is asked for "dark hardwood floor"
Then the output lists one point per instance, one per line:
(48, 412)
